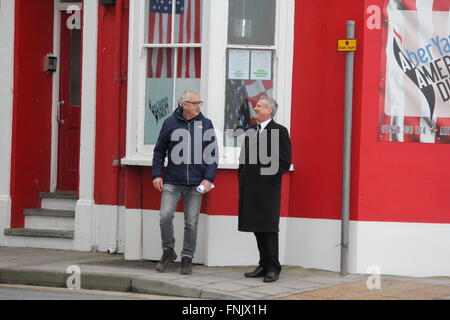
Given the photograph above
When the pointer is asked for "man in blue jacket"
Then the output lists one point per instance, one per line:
(187, 139)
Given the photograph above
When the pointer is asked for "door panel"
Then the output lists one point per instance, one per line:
(69, 107)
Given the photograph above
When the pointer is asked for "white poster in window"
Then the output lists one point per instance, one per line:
(239, 65)
(261, 68)
(158, 106)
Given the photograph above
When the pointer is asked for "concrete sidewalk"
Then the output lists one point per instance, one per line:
(101, 271)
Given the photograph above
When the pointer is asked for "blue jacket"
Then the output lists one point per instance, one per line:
(192, 153)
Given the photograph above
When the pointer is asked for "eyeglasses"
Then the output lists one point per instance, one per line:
(196, 103)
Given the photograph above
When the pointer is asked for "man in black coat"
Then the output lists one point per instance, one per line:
(265, 156)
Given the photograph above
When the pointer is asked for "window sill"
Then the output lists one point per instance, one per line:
(149, 163)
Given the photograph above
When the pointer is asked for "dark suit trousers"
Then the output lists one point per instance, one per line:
(268, 251)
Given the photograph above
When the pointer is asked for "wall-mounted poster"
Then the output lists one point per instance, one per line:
(261, 68)
(239, 65)
(415, 75)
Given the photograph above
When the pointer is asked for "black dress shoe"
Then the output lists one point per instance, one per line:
(257, 273)
(271, 277)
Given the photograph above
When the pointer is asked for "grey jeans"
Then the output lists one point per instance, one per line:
(192, 200)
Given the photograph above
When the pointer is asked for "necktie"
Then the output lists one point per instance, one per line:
(259, 129)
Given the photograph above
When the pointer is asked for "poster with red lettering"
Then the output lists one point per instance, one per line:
(415, 75)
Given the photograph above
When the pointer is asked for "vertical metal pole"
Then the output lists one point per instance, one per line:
(347, 151)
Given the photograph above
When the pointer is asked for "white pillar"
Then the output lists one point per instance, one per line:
(84, 216)
(6, 107)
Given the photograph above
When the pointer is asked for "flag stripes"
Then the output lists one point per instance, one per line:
(187, 29)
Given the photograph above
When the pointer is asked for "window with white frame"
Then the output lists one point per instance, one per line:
(173, 49)
(231, 51)
(250, 52)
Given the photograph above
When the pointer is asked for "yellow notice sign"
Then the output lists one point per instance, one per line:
(347, 45)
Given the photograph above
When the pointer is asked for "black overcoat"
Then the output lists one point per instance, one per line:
(260, 178)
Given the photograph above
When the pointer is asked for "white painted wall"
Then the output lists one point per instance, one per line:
(133, 234)
(313, 243)
(152, 236)
(219, 243)
(409, 249)
(109, 231)
(6, 107)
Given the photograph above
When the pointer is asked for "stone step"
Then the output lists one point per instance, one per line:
(27, 239)
(49, 213)
(49, 219)
(40, 233)
(58, 195)
(58, 201)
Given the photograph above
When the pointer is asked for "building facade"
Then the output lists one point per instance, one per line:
(85, 87)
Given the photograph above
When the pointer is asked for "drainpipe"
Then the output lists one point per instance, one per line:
(347, 152)
(112, 248)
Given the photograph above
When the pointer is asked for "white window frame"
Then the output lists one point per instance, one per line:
(212, 88)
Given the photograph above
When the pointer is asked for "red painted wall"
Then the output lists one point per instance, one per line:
(313, 190)
(390, 181)
(318, 105)
(111, 105)
(404, 182)
(31, 141)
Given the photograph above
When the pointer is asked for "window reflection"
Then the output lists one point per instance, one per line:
(75, 68)
(251, 22)
(164, 86)
(240, 100)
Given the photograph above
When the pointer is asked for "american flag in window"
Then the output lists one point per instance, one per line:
(186, 28)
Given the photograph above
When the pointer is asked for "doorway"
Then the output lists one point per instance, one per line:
(69, 96)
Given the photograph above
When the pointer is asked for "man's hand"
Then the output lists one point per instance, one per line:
(158, 184)
(207, 186)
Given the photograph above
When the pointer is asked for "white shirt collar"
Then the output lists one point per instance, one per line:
(265, 123)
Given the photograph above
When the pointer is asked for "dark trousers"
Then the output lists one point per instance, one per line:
(268, 251)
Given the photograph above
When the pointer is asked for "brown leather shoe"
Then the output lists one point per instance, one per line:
(257, 273)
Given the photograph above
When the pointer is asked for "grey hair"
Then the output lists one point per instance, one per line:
(185, 96)
(271, 103)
